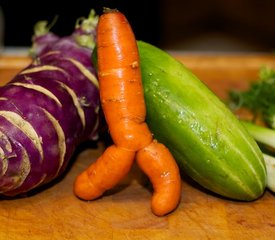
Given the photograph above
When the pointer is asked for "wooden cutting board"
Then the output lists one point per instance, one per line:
(124, 213)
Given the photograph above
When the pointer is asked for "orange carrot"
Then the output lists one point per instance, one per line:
(104, 174)
(119, 75)
(122, 100)
(158, 163)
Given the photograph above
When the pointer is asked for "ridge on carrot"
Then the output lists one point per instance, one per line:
(122, 101)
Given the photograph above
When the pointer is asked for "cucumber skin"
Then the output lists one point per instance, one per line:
(207, 140)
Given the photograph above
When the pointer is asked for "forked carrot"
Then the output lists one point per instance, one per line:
(122, 100)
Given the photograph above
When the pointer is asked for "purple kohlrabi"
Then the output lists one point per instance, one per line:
(48, 109)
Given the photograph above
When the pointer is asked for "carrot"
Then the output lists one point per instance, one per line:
(121, 89)
(158, 163)
(123, 104)
(109, 168)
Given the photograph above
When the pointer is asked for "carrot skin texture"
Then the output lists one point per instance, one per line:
(105, 173)
(123, 104)
(121, 90)
(159, 165)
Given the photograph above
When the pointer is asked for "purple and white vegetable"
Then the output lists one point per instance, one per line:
(48, 109)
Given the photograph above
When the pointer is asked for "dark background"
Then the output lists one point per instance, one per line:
(204, 25)
(20, 17)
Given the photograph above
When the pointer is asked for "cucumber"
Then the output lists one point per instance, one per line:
(207, 140)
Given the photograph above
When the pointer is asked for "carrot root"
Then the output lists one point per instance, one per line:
(107, 171)
(123, 104)
(158, 164)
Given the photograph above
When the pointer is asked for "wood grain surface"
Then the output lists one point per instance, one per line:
(124, 213)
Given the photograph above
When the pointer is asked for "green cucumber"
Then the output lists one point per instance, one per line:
(207, 140)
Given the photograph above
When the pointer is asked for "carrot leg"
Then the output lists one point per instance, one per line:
(159, 165)
(104, 173)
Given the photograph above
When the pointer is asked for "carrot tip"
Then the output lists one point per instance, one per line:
(84, 190)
